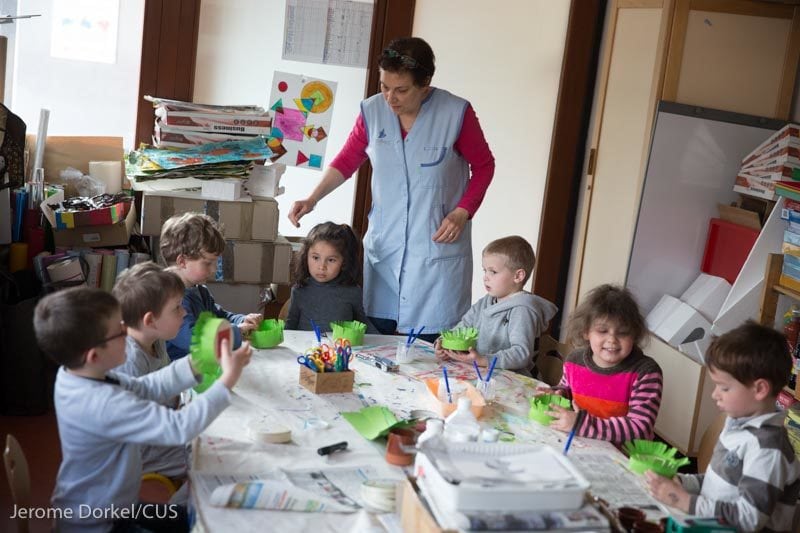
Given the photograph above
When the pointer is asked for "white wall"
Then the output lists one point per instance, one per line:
(84, 98)
(505, 58)
(238, 48)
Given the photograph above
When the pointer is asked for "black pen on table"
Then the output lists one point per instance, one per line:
(578, 421)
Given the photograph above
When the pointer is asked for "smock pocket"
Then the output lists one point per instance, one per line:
(446, 251)
(437, 155)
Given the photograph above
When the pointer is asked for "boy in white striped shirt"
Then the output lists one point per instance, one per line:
(752, 481)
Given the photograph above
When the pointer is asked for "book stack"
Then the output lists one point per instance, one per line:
(774, 163)
(790, 272)
(186, 124)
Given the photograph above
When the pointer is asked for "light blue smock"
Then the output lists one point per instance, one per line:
(415, 183)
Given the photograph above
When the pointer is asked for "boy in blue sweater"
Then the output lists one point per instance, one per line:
(191, 244)
(104, 418)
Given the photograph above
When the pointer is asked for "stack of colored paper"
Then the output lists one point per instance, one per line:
(775, 161)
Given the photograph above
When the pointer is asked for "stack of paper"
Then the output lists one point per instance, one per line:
(185, 124)
(775, 161)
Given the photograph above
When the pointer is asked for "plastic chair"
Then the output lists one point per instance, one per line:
(18, 478)
(161, 479)
(708, 442)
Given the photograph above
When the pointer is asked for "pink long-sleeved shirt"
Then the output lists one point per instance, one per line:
(470, 144)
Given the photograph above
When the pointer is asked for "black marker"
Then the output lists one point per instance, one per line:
(338, 447)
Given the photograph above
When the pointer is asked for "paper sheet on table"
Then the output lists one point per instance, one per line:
(373, 421)
(310, 490)
(274, 495)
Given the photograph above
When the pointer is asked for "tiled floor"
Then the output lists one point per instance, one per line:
(38, 436)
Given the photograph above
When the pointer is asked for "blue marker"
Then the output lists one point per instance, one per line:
(447, 385)
(491, 369)
(578, 422)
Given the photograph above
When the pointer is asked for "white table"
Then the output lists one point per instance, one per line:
(269, 388)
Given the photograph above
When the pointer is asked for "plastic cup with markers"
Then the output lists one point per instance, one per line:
(487, 389)
(406, 353)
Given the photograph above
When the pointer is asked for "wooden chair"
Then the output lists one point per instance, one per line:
(284, 312)
(708, 442)
(550, 366)
(18, 478)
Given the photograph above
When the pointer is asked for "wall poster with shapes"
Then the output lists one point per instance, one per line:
(85, 30)
(302, 108)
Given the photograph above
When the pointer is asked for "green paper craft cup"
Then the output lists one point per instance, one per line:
(204, 348)
(664, 466)
(352, 330)
(268, 335)
(460, 339)
(541, 404)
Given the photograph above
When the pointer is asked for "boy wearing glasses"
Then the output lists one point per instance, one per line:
(150, 300)
(191, 244)
(104, 418)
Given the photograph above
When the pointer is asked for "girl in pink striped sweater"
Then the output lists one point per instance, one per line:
(608, 376)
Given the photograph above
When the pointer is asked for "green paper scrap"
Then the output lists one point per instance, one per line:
(373, 421)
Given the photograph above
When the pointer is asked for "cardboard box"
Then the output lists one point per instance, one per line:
(697, 349)
(255, 262)
(326, 382)
(93, 217)
(97, 236)
(251, 220)
(227, 189)
(707, 294)
(683, 324)
(414, 515)
(75, 152)
(665, 306)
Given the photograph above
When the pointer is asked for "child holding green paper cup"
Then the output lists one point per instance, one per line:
(753, 479)
(104, 417)
(608, 375)
(327, 280)
(508, 319)
(191, 244)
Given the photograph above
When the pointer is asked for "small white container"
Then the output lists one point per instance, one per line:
(406, 353)
(486, 388)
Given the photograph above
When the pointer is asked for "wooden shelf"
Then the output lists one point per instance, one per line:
(786, 291)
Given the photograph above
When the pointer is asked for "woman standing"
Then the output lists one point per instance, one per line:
(431, 168)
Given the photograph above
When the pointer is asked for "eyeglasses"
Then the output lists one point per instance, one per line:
(406, 61)
(122, 333)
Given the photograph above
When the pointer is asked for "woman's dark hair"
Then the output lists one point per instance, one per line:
(412, 55)
(341, 237)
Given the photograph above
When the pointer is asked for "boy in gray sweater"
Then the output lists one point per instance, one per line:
(103, 418)
(508, 319)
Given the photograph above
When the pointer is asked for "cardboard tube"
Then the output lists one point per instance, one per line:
(109, 172)
(41, 140)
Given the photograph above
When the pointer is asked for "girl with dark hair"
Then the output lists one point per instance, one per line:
(431, 168)
(327, 279)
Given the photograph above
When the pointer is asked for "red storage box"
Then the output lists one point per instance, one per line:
(727, 248)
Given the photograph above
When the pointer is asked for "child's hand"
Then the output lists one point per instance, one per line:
(563, 418)
(667, 491)
(253, 319)
(232, 363)
(467, 357)
(246, 327)
(439, 352)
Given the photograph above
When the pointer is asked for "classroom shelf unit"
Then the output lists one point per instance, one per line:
(769, 297)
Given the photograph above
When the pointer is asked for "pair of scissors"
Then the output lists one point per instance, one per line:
(311, 362)
(344, 354)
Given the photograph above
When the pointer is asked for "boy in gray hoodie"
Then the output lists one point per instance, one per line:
(508, 319)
